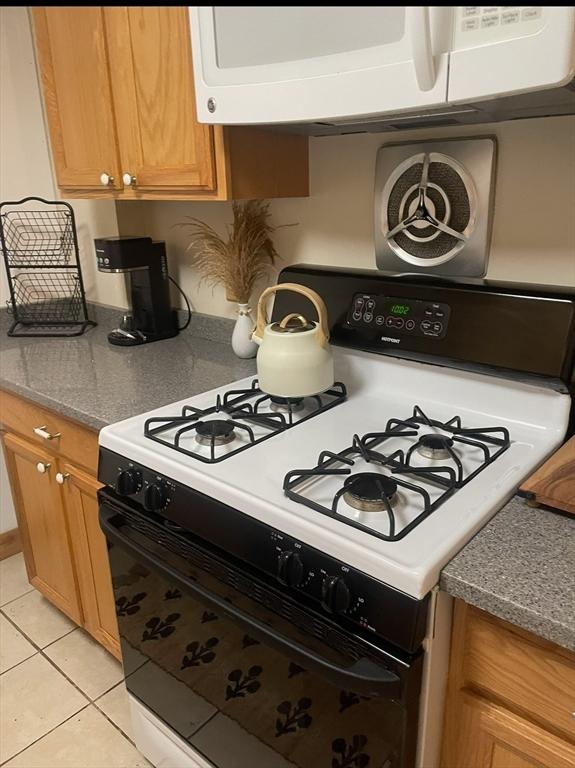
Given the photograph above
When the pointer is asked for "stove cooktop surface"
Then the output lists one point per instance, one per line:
(388, 482)
(240, 418)
(392, 479)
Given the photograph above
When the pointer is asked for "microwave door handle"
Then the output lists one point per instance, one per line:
(420, 34)
(363, 676)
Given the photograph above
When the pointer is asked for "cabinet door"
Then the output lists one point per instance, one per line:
(481, 734)
(75, 75)
(161, 143)
(91, 557)
(43, 524)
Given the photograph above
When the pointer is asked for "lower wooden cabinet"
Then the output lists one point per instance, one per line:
(482, 734)
(57, 510)
(43, 524)
(510, 697)
(90, 555)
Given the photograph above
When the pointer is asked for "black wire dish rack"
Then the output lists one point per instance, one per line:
(40, 248)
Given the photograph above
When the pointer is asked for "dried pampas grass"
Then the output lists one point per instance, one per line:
(240, 260)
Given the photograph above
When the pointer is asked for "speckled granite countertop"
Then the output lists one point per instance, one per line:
(95, 383)
(521, 567)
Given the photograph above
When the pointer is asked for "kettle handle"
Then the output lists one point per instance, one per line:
(316, 300)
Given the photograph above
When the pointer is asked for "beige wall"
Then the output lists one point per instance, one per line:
(533, 230)
(25, 163)
(25, 169)
(534, 224)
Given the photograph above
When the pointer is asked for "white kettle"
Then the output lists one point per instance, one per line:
(294, 358)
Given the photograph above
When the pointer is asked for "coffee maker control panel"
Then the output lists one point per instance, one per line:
(123, 254)
(399, 315)
(102, 259)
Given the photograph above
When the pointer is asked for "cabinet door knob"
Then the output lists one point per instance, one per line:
(43, 467)
(61, 477)
(43, 433)
(129, 180)
(106, 180)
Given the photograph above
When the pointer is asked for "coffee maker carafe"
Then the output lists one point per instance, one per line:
(145, 267)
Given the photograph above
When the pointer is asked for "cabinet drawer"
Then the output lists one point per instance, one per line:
(75, 442)
(528, 675)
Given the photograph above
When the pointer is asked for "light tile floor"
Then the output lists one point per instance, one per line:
(62, 702)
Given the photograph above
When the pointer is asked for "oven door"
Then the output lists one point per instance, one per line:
(242, 674)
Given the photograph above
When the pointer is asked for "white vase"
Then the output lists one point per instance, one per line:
(242, 343)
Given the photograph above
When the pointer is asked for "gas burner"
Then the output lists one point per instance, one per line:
(248, 413)
(216, 432)
(422, 488)
(366, 491)
(435, 446)
(286, 404)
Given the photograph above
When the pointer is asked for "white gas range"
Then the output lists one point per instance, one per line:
(527, 422)
(320, 526)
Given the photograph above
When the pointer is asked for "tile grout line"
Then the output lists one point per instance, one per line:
(34, 644)
(48, 659)
(40, 651)
(20, 662)
(89, 703)
(13, 600)
(61, 671)
(124, 734)
(52, 642)
(203, 725)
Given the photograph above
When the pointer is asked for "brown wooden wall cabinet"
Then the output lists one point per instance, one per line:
(510, 697)
(119, 96)
(52, 465)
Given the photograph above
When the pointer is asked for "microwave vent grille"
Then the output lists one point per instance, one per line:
(448, 199)
(433, 206)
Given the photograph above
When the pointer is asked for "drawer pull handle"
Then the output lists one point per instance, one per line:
(62, 477)
(42, 468)
(43, 433)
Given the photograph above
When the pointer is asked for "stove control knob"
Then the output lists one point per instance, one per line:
(128, 482)
(290, 570)
(155, 497)
(335, 594)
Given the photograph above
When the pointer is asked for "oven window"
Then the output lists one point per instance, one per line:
(236, 699)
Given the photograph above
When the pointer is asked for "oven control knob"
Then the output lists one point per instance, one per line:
(335, 594)
(155, 497)
(128, 482)
(290, 568)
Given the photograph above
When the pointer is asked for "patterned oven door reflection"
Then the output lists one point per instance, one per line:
(232, 694)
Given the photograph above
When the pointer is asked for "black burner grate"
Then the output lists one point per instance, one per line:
(446, 478)
(241, 407)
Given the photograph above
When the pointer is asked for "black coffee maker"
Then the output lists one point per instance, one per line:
(145, 267)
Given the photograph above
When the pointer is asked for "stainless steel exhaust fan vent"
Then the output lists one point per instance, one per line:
(433, 206)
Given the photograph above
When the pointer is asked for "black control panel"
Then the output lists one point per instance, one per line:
(399, 316)
(501, 328)
(345, 594)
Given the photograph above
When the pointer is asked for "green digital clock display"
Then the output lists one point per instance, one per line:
(400, 309)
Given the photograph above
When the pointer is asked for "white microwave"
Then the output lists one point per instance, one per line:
(343, 64)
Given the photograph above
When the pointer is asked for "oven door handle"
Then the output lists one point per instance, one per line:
(363, 676)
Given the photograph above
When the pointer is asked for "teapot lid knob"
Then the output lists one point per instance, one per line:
(293, 323)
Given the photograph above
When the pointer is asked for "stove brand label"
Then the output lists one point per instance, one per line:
(388, 338)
